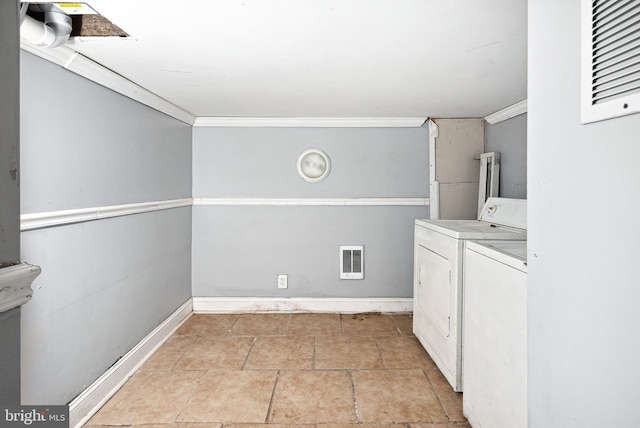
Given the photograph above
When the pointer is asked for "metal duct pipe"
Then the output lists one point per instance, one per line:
(36, 32)
(49, 34)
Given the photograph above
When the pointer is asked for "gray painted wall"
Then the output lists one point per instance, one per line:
(261, 162)
(104, 284)
(583, 262)
(87, 146)
(9, 194)
(510, 139)
(237, 251)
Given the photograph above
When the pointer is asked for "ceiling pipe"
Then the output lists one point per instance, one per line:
(51, 33)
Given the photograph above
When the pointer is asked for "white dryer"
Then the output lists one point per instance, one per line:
(438, 277)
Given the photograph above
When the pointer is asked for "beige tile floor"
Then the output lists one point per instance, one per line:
(285, 370)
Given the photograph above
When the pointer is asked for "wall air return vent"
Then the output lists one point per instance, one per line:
(610, 59)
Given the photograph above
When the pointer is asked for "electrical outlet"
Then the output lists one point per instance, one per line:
(282, 280)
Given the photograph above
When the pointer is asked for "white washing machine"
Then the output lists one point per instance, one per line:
(495, 334)
(438, 277)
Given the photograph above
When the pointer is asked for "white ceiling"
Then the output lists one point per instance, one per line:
(320, 58)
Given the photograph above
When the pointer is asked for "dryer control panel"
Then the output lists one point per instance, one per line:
(505, 212)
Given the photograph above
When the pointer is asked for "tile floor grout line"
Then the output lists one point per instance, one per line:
(273, 399)
(171, 369)
(246, 358)
(384, 366)
(435, 392)
(286, 327)
(313, 359)
(355, 400)
(186, 403)
(228, 333)
(393, 318)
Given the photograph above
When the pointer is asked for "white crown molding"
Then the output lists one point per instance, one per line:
(85, 67)
(311, 122)
(313, 201)
(59, 218)
(99, 392)
(507, 113)
(215, 305)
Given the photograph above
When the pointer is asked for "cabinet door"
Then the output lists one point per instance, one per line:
(434, 288)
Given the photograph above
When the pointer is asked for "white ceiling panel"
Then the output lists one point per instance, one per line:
(320, 58)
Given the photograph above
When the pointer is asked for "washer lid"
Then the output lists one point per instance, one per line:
(505, 212)
(511, 253)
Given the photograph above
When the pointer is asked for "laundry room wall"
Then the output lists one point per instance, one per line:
(583, 232)
(239, 249)
(509, 137)
(105, 284)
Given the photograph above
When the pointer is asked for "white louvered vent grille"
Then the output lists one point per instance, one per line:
(351, 262)
(611, 58)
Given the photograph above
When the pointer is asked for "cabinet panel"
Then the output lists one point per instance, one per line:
(434, 288)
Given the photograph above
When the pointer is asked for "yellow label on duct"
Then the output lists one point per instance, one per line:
(75, 8)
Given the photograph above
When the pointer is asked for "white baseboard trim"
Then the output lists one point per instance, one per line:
(85, 405)
(213, 305)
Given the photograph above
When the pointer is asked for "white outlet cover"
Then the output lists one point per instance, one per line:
(283, 281)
